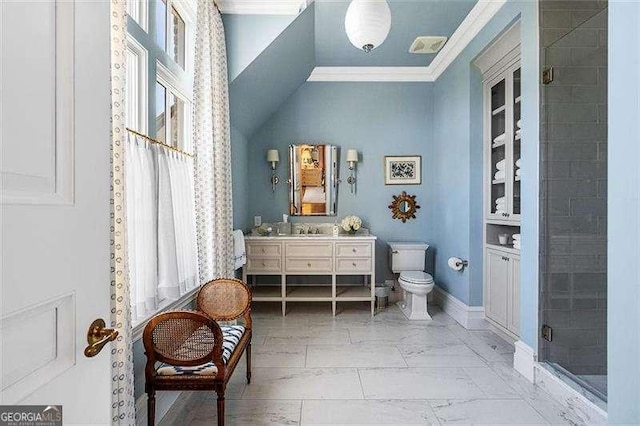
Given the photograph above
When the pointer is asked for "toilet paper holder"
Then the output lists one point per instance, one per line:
(457, 264)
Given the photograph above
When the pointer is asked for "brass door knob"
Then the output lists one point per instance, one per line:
(97, 337)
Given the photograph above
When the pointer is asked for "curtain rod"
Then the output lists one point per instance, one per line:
(162, 144)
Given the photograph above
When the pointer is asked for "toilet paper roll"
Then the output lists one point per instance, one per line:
(455, 263)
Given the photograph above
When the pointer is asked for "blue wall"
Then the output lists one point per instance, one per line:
(377, 119)
(240, 179)
(624, 214)
(248, 35)
(458, 171)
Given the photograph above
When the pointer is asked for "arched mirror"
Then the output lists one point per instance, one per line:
(404, 207)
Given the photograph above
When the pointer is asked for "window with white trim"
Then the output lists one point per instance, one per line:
(160, 42)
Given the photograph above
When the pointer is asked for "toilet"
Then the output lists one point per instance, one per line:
(407, 259)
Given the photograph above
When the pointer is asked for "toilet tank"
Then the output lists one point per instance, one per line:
(407, 256)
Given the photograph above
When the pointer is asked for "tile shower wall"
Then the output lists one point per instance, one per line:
(574, 185)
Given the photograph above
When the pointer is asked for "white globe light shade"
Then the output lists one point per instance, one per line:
(367, 23)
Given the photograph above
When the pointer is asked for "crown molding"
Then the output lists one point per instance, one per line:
(371, 74)
(262, 7)
(472, 24)
(475, 21)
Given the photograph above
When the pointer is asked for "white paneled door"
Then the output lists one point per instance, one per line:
(54, 166)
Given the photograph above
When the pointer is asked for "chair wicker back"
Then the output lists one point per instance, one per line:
(225, 299)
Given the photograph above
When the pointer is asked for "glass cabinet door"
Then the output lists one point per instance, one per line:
(515, 156)
(498, 208)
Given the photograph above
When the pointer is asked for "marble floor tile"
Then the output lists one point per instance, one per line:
(308, 336)
(279, 355)
(254, 413)
(299, 383)
(491, 384)
(485, 343)
(360, 356)
(418, 383)
(367, 412)
(441, 355)
(390, 335)
(486, 411)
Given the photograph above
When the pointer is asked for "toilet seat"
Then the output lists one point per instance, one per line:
(416, 277)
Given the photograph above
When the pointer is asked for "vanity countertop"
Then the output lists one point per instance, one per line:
(311, 237)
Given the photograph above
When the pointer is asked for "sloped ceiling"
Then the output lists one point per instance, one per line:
(269, 58)
(409, 19)
(276, 73)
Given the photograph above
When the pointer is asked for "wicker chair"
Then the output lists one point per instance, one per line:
(194, 351)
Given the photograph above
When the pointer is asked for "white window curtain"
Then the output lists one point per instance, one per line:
(214, 207)
(161, 233)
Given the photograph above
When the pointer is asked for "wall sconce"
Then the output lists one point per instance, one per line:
(273, 157)
(352, 159)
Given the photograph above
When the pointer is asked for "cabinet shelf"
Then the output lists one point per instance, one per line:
(266, 293)
(353, 293)
(309, 293)
(498, 181)
(499, 110)
(498, 144)
(506, 248)
(518, 99)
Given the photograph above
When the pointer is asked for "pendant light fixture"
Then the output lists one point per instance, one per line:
(367, 23)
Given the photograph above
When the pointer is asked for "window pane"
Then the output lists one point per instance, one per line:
(161, 126)
(177, 121)
(177, 39)
(161, 23)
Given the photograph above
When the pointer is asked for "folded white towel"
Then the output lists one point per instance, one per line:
(516, 236)
(518, 123)
(499, 138)
(500, 165)
(239, 250)
(518, 172)
(518, 162)
(499, 175)
(501, 200)
(518, 133)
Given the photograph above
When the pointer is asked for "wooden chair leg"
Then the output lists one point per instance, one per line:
(248, 355)
(151, 408)
(221, 408)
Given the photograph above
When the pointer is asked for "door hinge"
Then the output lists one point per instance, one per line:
(547, 75)
(547, 333)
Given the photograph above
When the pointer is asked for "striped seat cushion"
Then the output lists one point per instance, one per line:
(231, 336)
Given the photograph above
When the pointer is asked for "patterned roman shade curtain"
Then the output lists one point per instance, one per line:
(214, 209)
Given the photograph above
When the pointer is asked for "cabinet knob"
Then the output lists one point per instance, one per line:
(263, 250)
(309, 264)
(354, 264)
(353, 250)
(264, 264)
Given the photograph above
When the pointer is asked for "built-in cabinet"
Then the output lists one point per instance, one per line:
(502, 141)
(502, 290)
(311, 269)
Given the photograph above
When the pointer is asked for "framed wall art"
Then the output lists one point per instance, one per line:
(403, 170)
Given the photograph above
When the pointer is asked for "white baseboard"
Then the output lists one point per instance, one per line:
(470, 317)
(164, 401)
(524, 360)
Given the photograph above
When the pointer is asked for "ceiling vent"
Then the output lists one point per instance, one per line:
(427, 44)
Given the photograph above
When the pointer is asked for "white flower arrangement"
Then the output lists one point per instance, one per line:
(351, 223)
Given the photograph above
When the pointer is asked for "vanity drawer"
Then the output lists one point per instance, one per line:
(264, 250)
(353, 249)
(310, 250)
(353, 265)
(264, 265)
(309, 265)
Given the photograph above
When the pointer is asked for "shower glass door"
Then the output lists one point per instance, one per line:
(573, 297)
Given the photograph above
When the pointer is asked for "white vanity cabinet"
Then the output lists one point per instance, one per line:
(314, 257)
